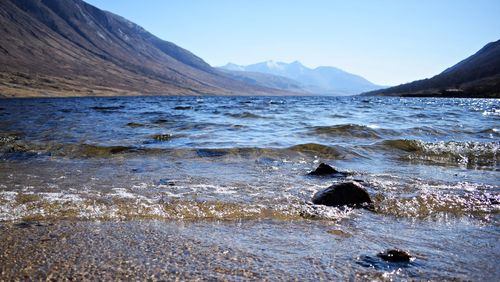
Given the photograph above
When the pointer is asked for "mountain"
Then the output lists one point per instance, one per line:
(321, 80)
(267, 80)
(476, 76)
(70, 48)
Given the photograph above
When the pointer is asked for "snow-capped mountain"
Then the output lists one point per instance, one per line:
(320, 80)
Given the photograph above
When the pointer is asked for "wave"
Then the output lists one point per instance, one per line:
(434, 204)
(491, 131)
(300, 150)
(125, 205)
(243, 115)
(107, 108)
(11, 147)
(465, 153)
(425, 131)
(353, 130)
(323, 151)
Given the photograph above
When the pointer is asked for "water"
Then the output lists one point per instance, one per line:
(235, 168)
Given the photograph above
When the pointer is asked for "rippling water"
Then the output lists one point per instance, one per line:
(430, 165)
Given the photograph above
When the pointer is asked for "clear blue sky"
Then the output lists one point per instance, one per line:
(386, 41)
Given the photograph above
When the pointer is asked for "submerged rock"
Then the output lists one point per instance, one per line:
(160, 121)
(339, 233)
(327, 170)
(135, 124)
(110, 108)
(23, 224)
(89, 151)
(9, 137)
(29, 224)
(350, 194)
(183, 108)
(162, 137)
(395, 255)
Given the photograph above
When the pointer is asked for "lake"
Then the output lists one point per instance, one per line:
(217, 187)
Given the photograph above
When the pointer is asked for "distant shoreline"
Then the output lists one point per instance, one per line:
(111, 95)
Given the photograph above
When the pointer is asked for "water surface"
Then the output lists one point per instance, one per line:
(237, 166)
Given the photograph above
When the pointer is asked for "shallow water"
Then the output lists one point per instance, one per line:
(430, 165)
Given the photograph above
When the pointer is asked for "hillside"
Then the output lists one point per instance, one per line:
(321, 80)
(476, 76)
(70, 48)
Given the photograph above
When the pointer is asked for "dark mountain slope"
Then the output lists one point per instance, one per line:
(476, 76)
(68, 47)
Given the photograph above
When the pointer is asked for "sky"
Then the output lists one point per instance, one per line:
(388, 42)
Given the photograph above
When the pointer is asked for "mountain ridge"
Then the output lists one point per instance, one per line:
(475, 76)
(71, 48)
(324, 80)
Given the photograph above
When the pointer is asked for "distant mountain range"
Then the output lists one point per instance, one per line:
(70, 48)
(321, 80)
(476, 76)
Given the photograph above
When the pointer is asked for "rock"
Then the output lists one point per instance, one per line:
(339, 233)
(326, 170)
(160, 121)
(395, 255)
(350, 194)
(9, 137)
(162, 137)
(134, 124)
(110, 108)
(183, 108)
(23, 224)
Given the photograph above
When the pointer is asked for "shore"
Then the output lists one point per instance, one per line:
(274, 250)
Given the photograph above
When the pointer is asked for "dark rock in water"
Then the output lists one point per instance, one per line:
(350, 194)
(493, 201)
(118, 149)
(162, 137)
(326, 170)
(339, 233)
(110, 108)
(89, 151)
(160, 121)
(183, 108)
(395, 255)
(9, 137)
(323, 169)
(134, 124)
(23, 224)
